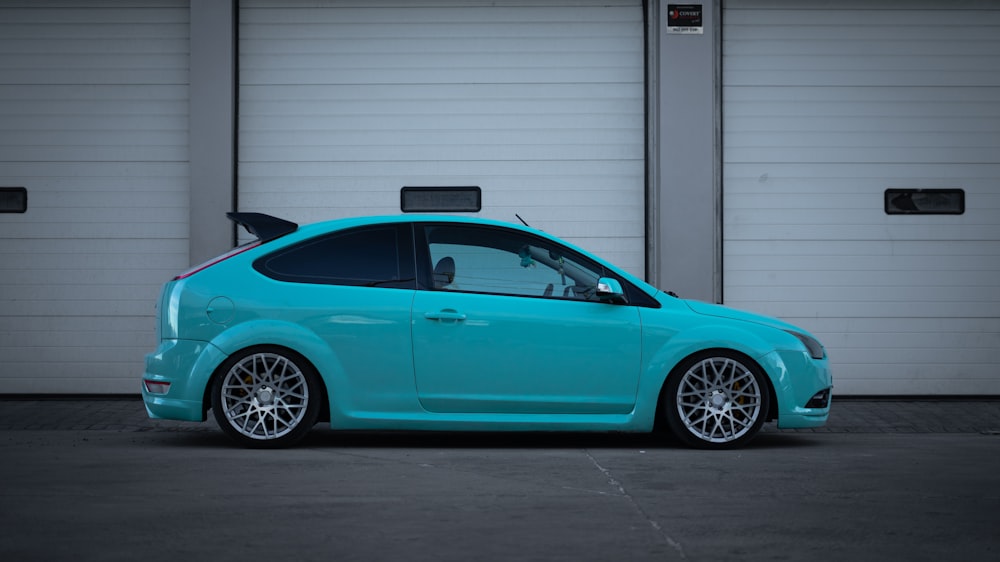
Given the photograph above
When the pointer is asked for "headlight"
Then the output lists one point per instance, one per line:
(815, 348)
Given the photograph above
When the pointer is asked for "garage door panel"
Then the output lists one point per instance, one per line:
(835, 61)
(107, 278)
(539, 104)
(400, 64)
(456, 151)
(937, 277)
(920, 300)
(885, 77)
(826, 107)
(816, 306)
(584, 204)
(536, 172)
(938, 255)
(934, 341)
(975, 330)
(859, 218)
(600, 44)
(965, 154)
(98, 308)
(769, 232)
(864, 101)
(464, 122)
(956, 12)
(856, 47)
(829, 30)
(856, 125)
(93, 123)
(28, 121)
(111, 61)
(92, 76)
(922, 351)
(101, 100)
(856, 177)
(50, 260)
(461, 15)
(349, 99)
(449, 139)
(905, 141)
(389, 77)
(869, 285)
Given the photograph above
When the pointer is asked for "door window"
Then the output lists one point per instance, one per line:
(492, 260)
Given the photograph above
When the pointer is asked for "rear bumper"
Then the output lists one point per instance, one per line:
(187, 367)
(159, 408)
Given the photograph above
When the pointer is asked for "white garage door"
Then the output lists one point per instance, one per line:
(826, 107)
(540, 104)
(93, 124)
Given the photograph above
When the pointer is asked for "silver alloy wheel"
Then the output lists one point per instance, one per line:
(265, 396)
(719, 400)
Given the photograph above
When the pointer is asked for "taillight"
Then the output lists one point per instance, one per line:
(235, 251)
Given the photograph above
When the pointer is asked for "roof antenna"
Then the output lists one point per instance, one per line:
(522, 220)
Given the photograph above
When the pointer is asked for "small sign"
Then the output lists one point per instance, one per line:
(468, 199)
(684, 19)
(924, 201)
(13, 200)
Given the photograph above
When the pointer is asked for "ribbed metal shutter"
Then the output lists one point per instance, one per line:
(827, 106)
(540, 104)
(93, 122)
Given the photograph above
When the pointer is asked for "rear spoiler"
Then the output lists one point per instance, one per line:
(264, 227)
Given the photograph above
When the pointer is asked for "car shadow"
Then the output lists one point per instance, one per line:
(327, 438)
(482, 440)
(322, 436)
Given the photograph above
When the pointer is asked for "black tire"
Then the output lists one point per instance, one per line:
(717, 399)
(266, 397)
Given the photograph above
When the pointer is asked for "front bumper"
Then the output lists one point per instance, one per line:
(797, 378)
(187, 367)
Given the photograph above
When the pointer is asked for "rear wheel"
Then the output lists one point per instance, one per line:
(266, 397)
(716, 400)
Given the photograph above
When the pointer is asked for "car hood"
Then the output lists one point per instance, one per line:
(720, 311)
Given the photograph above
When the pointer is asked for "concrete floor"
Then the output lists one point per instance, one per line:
(169, 492)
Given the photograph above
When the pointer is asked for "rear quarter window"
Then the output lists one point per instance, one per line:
(361, 257)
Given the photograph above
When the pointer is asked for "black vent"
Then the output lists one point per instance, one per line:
(820, 400)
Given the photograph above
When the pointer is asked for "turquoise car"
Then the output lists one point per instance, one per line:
(451, 323)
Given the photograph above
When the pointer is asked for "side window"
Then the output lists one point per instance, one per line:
(492, 260)
(363, 257)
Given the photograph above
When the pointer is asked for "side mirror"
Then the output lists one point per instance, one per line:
(610, 290)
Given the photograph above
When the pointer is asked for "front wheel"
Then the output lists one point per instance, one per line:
(266, 397)
(716, 400)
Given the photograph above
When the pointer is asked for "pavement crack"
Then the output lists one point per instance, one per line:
(621, 491)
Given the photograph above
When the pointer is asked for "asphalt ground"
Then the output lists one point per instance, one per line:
(94, 479)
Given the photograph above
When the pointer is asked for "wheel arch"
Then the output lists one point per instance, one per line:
(283, 336)
(670, 419)
(324, 409)
(659, 424)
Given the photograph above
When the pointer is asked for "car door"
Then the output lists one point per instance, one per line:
(354, 290)
(509, 323)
